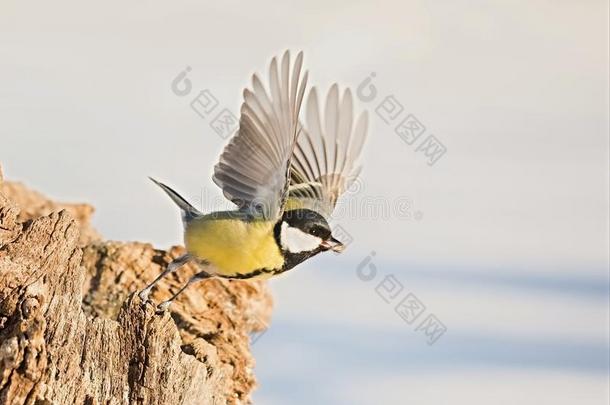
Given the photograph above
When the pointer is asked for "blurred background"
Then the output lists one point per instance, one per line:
(477, 270)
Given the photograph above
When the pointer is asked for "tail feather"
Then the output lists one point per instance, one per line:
(188, 211)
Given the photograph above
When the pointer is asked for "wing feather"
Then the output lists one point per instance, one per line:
(254, 167)
(326, 154)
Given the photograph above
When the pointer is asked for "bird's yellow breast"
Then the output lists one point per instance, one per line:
(233, 246)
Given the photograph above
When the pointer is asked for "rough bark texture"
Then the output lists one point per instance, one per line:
(73, 331)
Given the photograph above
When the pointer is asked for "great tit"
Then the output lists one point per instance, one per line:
(283, 175)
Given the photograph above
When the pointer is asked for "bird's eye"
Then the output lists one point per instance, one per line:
(317, 231)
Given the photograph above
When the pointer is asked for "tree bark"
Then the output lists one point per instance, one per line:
(73, 331)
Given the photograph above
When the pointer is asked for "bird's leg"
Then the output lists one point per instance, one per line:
(202, 275)
(173, 266)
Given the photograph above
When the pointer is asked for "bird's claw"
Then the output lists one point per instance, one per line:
(162, 307)
(144, 296)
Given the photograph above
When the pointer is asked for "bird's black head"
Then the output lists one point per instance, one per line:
(308, 221)
(305, 232)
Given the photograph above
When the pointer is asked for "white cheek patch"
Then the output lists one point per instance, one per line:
(295, 241)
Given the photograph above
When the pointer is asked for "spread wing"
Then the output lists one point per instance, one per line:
(325, 158)
(253, 168)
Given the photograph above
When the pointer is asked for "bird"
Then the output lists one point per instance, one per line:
(284, 173)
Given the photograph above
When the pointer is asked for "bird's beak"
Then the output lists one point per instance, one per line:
(333, 244)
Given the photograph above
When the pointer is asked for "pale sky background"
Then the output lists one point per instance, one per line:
(510, 251)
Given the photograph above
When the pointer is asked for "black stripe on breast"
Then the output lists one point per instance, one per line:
(254, 273)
